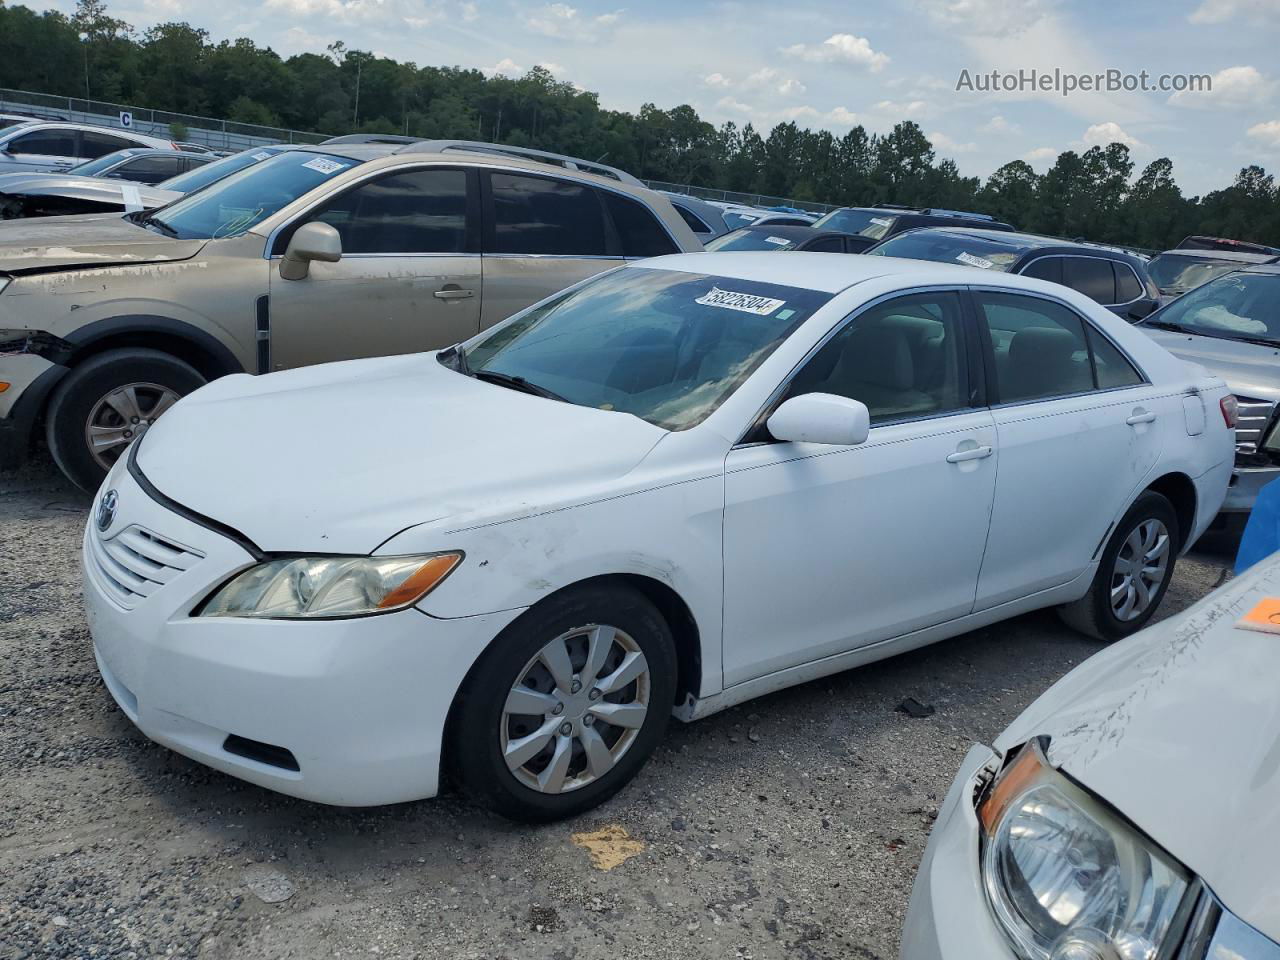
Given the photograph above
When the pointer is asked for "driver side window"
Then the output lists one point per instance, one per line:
(902, 358)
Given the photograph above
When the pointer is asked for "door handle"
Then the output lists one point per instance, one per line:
(453, 293)
(1140, 416)
(973, 453)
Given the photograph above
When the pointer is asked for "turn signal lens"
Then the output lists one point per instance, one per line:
(1230, 408)
(300, 588)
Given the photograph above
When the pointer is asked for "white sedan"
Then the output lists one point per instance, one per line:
(1131, 813)
(671, 488)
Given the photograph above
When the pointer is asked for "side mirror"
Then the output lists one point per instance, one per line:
(311, 241)
(821, 418)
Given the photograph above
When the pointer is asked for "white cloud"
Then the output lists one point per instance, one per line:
(840, 47)
(998, 124)
(1221, 11)
(469, 11)
(1268, 133)
(555, 69)
(903, 110)
(717, 80)
(1100, 134)
(505, 67)
(767, 78)
(842, 117)
(1233, 87)
(735, 106)
(564, 22)
(944, 143)
(1040, 155)
(993, 18)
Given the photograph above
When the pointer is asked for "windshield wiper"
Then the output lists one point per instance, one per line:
(517, 383)
(1166, 325)
(159, 224)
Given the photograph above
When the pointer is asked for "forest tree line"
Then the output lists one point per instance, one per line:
(1097, 194)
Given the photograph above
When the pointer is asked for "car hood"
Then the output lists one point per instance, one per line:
(54, 243)
(339, 457)
(1250, 369)
(1178, 727)
(129, 195)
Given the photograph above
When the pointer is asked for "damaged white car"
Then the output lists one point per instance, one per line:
(1132, 812)
(674, 487)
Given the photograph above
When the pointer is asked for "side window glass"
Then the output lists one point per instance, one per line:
(540, 215)
(1127, 285)
(47, 143)
(423, 211)
(638, 229)
(1113, 369)
(901, 358)
(146, 169)
(1039, 347)
(695, 224)
(94, 145)
(1046, 268)
(826, 245)
(1091, 276)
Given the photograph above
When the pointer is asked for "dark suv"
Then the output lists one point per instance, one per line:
(1116, 279)
(873, 224)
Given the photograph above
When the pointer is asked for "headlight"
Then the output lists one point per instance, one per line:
(328, 587)
(1066, 878)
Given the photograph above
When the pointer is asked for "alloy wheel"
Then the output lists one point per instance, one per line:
(1139, 570)
(122, 416)
(576, 708)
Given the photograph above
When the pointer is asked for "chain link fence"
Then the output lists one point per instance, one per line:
(206, 131)
(731, 196)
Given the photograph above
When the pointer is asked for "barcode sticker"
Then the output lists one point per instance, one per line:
(973, 261)
(744, 302)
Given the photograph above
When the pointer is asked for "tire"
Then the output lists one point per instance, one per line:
(482, 727)
(156, 379)
(1094, 614)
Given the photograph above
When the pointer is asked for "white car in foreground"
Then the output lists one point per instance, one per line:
(1131, 813)
(674, 487)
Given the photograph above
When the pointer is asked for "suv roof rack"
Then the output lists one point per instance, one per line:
(370, 138)
(1201, 242)
(527, 153)
(938, 212)
(895, 206)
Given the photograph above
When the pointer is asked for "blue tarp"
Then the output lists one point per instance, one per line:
(1262, 533)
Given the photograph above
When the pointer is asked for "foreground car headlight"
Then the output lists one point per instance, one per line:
(1066, 878)
(327, 587)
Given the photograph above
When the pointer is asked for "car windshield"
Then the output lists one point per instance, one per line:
(739, 218)
(1175, 274)
(865, 223)
(208, 173)
(237, 203)
(750, 240)
(1238, 306)
(949, 248)
(91, 168)
(664, 345)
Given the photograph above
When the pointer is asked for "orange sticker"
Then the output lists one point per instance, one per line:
(1265, 616)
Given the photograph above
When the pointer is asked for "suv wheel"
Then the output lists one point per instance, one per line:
(1133, 574)
(566, 705)
(106, 403)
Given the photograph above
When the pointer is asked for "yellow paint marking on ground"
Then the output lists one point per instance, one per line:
(609, 846)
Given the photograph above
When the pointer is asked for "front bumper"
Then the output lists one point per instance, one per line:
(948, 918)
(359, 705)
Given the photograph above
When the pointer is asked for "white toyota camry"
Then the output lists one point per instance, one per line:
(671, 488)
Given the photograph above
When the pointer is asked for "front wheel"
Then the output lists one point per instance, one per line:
(566, 705)
(1133, 573)
(107, 402)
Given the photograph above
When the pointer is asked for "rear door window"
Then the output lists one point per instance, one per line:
(1128, 286)
(1039, 347)
(545, 216)
(637, 229)
(94, 144)
(1091, 276)
(1112, 368)
(148, 169)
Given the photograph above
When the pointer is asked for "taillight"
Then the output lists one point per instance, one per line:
(1230, 408)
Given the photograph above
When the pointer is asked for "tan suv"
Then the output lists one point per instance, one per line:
(314, 254)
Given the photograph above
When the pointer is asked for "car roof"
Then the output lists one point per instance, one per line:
(821, 271)
(1234, 256)
(790, 231)
(1267, 269)
(1027, 242)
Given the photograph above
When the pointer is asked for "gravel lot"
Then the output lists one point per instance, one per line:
(789, 827)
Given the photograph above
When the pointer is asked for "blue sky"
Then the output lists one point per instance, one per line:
(833, 64)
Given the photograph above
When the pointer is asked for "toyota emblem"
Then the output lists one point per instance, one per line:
(107, 509)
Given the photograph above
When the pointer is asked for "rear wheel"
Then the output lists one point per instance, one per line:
(106, 403)
(1133, 573)
(566, 705)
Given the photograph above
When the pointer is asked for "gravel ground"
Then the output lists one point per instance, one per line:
(788, 827)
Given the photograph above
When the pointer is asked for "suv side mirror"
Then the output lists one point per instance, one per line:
(821, 418)
(311, 241)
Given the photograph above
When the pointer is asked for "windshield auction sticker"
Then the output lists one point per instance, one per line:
(780, 241)
(744, 302)
(973, 261)
(324, 165)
